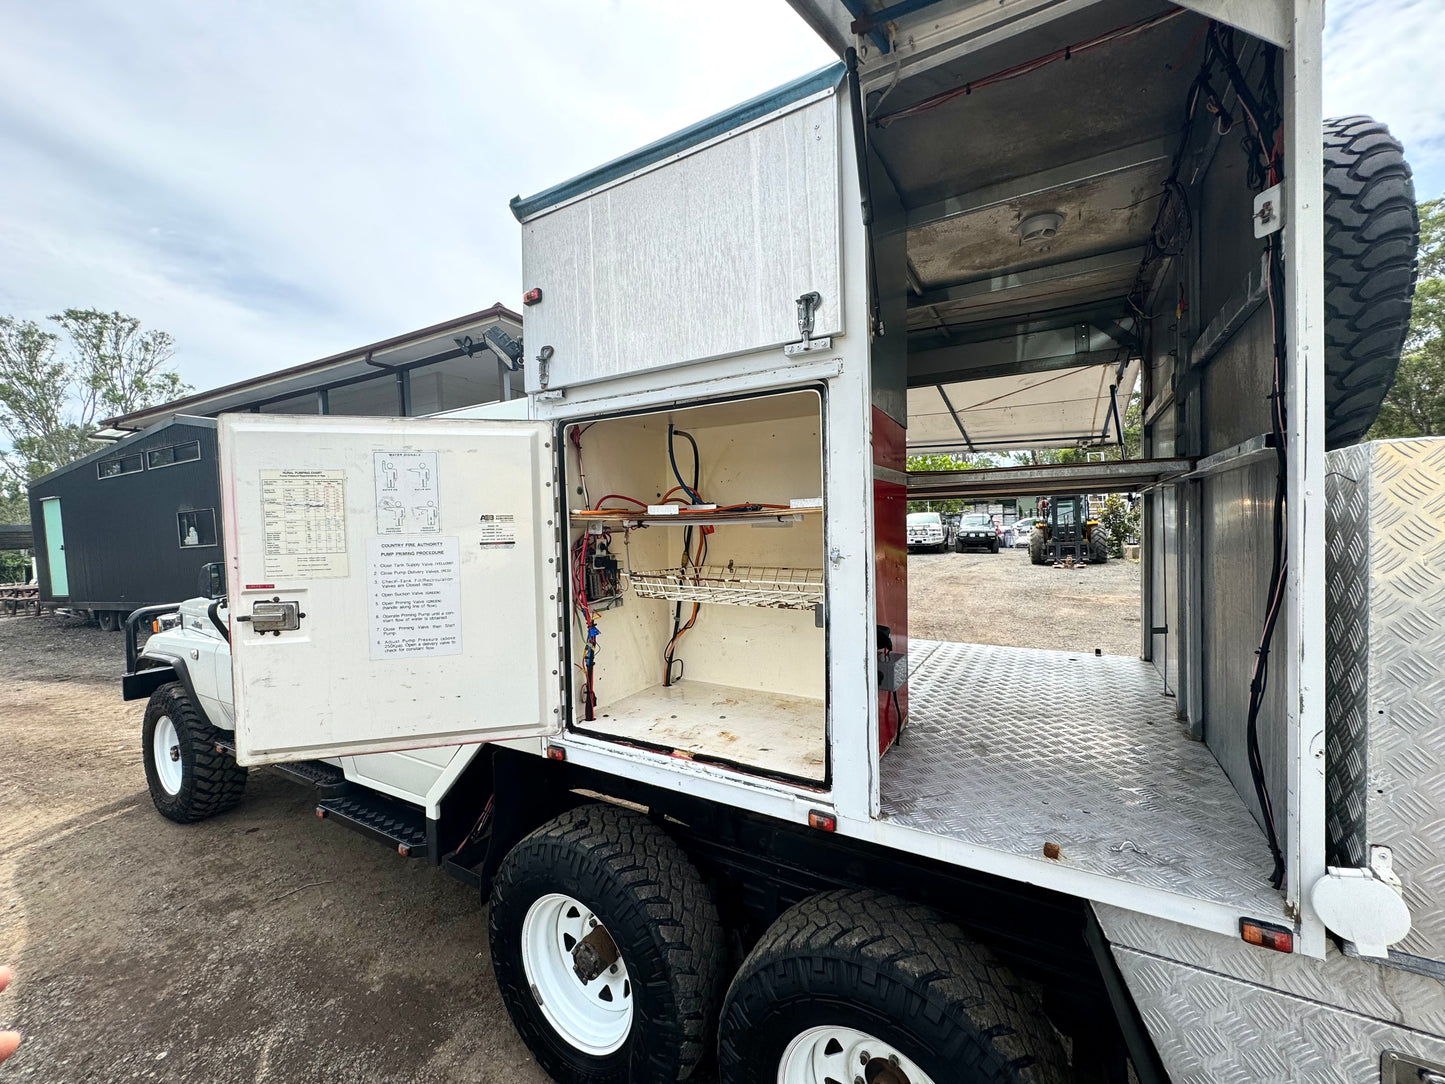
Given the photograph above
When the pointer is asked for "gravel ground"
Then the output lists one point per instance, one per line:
(265, 945)
(1000, 598)
(262, 945)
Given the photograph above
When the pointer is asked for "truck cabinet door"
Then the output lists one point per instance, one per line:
(393, 583)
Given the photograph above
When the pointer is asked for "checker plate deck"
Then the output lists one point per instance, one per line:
(1013, 748)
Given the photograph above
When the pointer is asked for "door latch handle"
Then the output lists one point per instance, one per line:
(274, 616)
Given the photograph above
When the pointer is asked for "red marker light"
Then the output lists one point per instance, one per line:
(824, 822)
(1266, 935)
(556, 752)
(532, 296)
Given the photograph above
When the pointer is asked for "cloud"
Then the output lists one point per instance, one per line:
(271, 183)
(1382, 57)
(274, 183)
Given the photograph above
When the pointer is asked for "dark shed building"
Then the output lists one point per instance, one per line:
(131, 525)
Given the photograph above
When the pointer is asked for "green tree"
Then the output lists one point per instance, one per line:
(50, 400)
(1415, 404)
(937, 461)
(1119, 522)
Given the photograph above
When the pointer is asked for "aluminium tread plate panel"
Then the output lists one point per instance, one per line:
(1385, 709)
(1360, 986)
(1103, 769)
(1219, 1029)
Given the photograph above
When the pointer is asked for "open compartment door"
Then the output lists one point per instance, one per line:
(392, 583)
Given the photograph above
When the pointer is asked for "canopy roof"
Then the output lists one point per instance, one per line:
(1061, 408)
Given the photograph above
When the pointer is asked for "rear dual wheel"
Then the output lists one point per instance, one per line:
(858, 985)
(607, 949)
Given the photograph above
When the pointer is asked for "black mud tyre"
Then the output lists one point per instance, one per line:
(188, 777)
(1372, 231)
(106, 620)
(1098, 548)
(610, 864)
(1036, 546)
(847, 981)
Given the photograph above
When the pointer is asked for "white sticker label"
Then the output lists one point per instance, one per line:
(499, 530)
(406, 493)
(414, 597)
(303, 517)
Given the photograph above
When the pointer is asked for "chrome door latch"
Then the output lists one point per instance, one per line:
(807, 310)
(274, 616)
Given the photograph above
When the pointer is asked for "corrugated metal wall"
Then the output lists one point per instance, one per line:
(122, 544)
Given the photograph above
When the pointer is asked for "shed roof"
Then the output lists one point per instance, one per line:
(114, 448)
(399, 350)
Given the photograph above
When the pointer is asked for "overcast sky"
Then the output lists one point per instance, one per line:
(272, 182)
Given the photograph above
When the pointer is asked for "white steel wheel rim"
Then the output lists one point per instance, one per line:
(166, 752)
(595, 1017)
(848, 1055)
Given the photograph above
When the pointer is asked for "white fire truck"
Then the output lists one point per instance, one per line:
(631, 654)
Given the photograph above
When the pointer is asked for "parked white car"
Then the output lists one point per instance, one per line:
(927, 530)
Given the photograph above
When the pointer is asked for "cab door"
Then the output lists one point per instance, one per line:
(393, 583)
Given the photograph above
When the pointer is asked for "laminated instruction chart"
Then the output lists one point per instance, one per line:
(406, 493)
(303, 521)
(413, 597)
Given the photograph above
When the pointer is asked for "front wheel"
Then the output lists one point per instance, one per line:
(189, 778)
(607, 949)
(855, 985)
(1099, 547)
(1036, 546)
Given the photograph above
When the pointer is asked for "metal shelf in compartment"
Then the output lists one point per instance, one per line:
(734, 585)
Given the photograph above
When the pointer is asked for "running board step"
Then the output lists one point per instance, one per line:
(328, 779)
(395, 823)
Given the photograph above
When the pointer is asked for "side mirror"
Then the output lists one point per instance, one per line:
(211, 582)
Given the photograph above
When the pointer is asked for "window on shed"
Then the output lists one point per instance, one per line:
(377, 398)
(172, 454)
(297, 404)
(197, 527)
(460, 382)
(121, 464)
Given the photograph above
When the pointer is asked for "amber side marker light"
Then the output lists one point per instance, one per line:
(824, 822)
(1266, 935)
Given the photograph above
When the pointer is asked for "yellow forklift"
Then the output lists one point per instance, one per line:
(1063, 530)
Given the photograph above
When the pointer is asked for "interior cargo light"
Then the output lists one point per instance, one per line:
(532, 296)
(824, 822)
(1266, 935)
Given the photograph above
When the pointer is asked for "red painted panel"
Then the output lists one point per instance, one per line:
(890, 559)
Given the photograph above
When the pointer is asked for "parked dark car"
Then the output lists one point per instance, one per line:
(977, 530)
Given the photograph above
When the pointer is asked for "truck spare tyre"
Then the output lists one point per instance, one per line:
(1372, 231)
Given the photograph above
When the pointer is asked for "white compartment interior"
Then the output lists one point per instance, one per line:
(1131, 772)
(752, 681)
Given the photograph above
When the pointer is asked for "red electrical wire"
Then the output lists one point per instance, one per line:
(621, 497)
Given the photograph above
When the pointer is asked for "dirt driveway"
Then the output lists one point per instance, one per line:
(1000, 598)
(263, 945)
